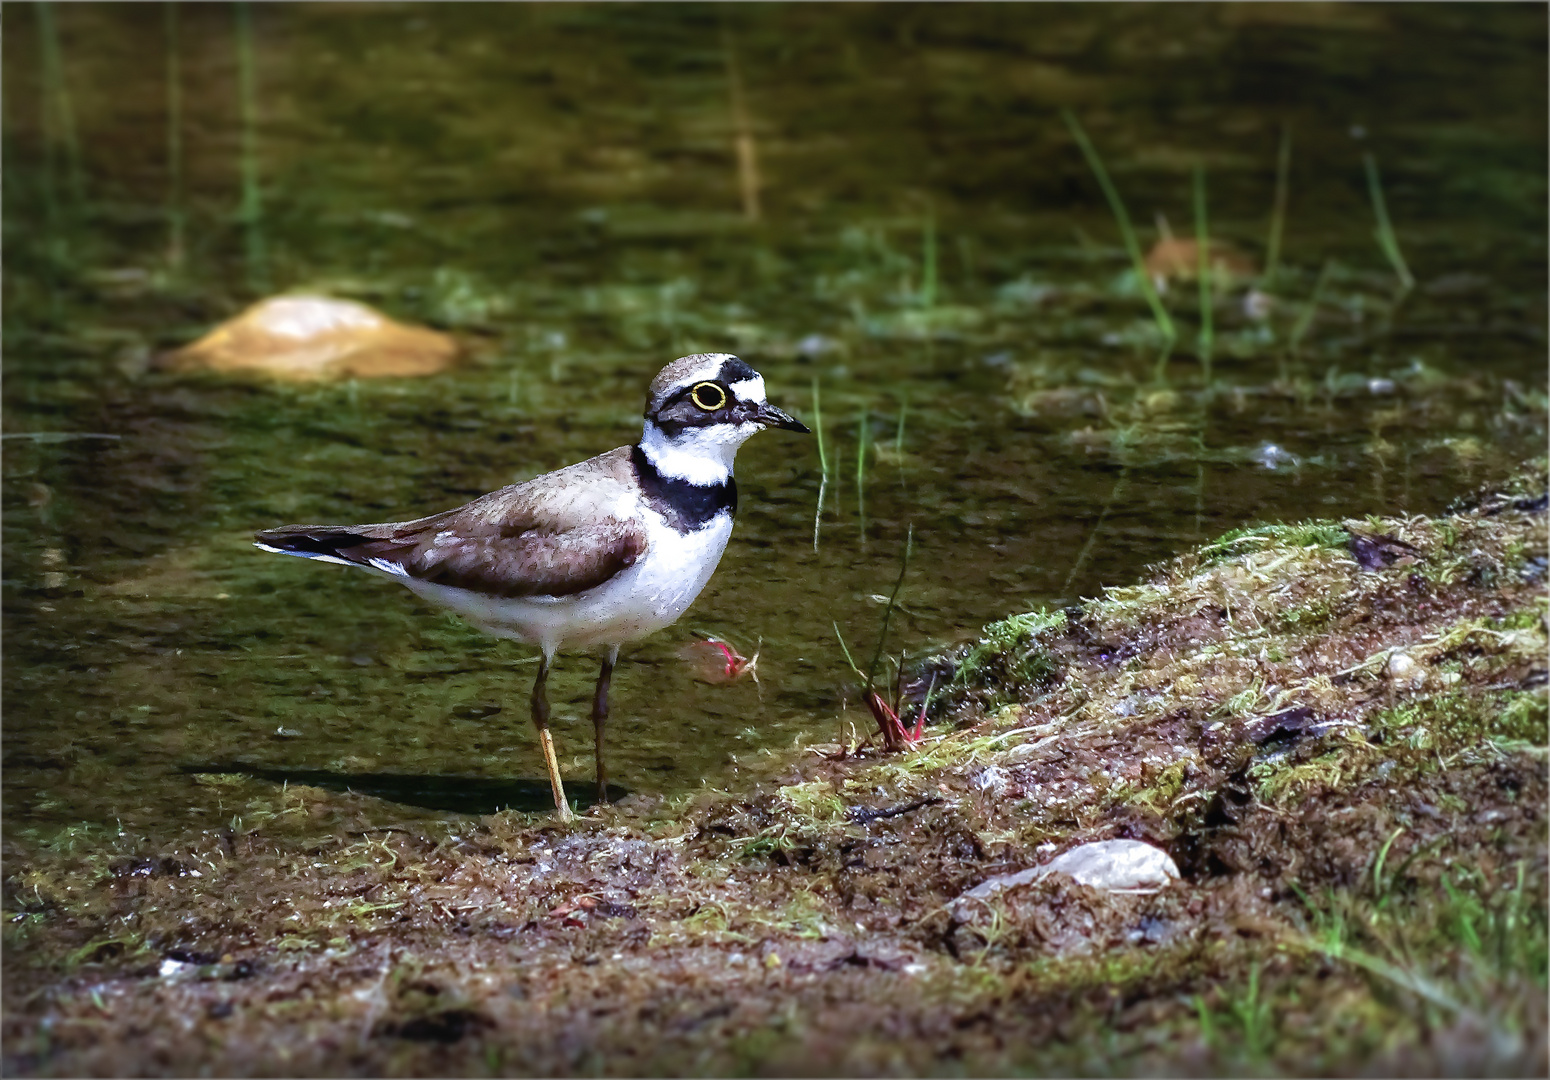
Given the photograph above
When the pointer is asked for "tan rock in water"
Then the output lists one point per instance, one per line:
(317, 338)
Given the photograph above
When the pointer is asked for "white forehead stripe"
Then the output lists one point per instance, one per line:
(749, 389)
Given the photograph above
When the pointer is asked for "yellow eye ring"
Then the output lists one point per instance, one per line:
(708, 396)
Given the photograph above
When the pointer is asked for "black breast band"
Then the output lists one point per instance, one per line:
(686, 506)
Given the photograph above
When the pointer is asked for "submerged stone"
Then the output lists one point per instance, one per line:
(1177, 259)
(317, 338)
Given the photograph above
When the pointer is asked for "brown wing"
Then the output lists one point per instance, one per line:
(557, 535)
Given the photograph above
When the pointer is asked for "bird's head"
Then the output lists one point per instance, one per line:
(704, 407)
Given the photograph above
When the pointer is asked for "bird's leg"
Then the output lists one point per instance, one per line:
(600, 717)
(540, 703)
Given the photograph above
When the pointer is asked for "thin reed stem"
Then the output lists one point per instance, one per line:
(1387, 240)
(1305, 320)
(1081, 558)
(1278, 208)
(1126, 231)
(51, 214)
(823, 464)
(863, 439)
(823, 456)
(898, 434)
(1200, 497)
(252, 211)
(846, 649)
(748, 182)
(175, 216)
(56, 99)
(893, 599)
(1200, 476)
(1203, 271)
(928, 267)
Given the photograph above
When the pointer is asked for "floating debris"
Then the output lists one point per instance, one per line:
(1273, 457)
(715, 660)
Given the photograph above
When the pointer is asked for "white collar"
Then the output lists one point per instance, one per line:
(701, 455)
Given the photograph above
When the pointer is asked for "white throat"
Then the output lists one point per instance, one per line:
(702, 456)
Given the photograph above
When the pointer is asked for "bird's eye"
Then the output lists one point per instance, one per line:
(708, 396)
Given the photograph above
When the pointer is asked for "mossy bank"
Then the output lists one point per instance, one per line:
(1337, 729)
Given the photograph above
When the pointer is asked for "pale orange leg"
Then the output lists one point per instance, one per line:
(540, 702)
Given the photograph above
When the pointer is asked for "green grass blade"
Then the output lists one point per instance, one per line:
(57, 98)
(846, 650)
(1203, 270)
(863, 439)
(1122, 219)
(1387, 240)
(1278, 209)
(1305, 320)
(823, 464)
(252, 211)
(893, 599)
(1081, 558)
(928, 261)
(1379, 886)
(823, 456)
(175, 215)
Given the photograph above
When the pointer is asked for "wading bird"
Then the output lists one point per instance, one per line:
(600, 553)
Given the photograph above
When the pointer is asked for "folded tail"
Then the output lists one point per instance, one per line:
(345, 545)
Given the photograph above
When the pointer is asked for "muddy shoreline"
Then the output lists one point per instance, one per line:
(1337, 730)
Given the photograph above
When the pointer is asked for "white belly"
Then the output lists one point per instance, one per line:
(642, 599)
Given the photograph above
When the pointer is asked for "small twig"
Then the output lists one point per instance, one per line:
(861, 815)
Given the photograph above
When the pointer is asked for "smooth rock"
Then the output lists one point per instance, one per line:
(1115, 865)
(317, 338)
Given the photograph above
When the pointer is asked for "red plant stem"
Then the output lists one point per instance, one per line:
(732, 657)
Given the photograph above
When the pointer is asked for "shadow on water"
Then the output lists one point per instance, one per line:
(456, 794)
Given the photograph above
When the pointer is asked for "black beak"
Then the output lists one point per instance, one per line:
(770, 416)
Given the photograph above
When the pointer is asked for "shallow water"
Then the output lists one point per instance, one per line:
(556, 185)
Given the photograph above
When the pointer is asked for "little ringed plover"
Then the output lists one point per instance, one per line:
(595, 554)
